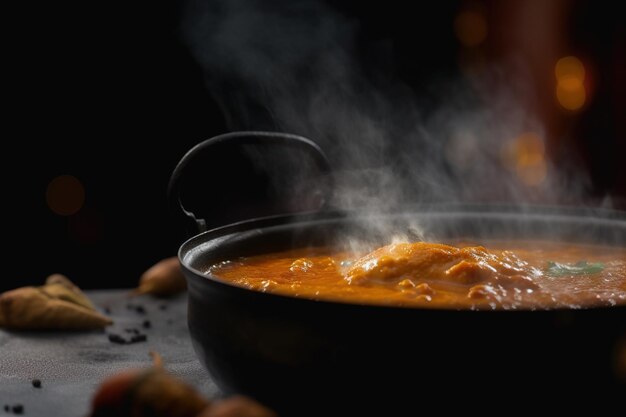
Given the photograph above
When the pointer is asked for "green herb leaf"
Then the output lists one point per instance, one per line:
(579, 268)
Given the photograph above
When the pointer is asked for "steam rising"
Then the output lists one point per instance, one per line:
(293, 66)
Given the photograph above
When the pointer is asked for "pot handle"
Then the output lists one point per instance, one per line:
(195, 221)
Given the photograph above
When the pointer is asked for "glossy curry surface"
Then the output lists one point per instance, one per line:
(457, 275)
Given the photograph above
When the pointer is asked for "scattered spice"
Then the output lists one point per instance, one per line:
(17, 409)
(7, 408)
(140, 309)
(116, 338)
(146, 324)
(58, 305)
(134, 338)
(165, 278)
(163, 307)
(37, 383)
(138, 338)
(107, 310)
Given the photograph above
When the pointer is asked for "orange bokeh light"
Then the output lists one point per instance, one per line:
(569, 66)
(525, 155)
(470, 28)
(532, 175)
(571, 94)
(65, 195)
(570, 88)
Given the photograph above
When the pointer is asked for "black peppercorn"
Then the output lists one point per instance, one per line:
(116, 338)
(138, 338)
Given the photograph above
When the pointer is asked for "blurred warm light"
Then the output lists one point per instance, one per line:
(570, 87)
(470, 28)
(621, 361)
(461, 150)
(529, 149)
(86, 226)
(569, 66)
(532, 175)
(65, 195)
(472, 61)
(571, 94)
(526, 156)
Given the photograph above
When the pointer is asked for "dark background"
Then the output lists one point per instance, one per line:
(108, 93)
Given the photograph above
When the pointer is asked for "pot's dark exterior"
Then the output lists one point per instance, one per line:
(305, 357)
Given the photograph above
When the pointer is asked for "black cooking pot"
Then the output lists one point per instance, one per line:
(305, 357)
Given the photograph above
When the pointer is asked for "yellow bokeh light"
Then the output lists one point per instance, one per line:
(570, 88)
(532, 175)
(525, 155)
(65, 195)
(529, 149)
(569, 66)
(570, 93)
(470, 28)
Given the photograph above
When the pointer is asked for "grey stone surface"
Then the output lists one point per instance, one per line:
(71, 365)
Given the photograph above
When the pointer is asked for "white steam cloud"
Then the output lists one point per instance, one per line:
(292, 66)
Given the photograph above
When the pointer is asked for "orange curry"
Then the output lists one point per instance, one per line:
(508, 275)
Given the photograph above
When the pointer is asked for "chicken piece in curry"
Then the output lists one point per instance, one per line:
(508, 275)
